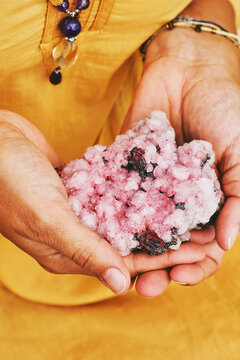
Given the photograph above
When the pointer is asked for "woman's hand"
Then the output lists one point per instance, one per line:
(35, 215)
(195, 79)
(34, 210)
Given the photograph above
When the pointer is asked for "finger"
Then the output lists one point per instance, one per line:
(152, 283)
(228, 221)
(56, 263)
(227, 224)
(203, 236)
(85, 253)
(192, 274)
(58, 268)
(51, 257)
(141, 262)
(93, 255)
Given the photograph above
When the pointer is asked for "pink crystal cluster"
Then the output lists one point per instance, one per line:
(144, 192)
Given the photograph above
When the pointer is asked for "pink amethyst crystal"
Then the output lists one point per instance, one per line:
(143, 192)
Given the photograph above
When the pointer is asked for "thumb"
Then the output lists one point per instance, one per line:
(93, 255)
(228, 221)
(227, 225)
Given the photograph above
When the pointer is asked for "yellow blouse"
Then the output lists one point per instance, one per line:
(89, 107)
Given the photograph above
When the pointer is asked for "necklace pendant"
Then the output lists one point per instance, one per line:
(65, 53)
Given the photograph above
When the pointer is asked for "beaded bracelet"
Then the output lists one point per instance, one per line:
(197, 25)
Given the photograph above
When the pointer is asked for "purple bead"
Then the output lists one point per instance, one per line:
(82, 4)
(64, 6)
(70, 27)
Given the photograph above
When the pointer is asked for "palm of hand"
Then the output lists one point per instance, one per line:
(202, 102)
(212, 112)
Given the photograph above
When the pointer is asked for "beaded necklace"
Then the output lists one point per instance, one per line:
(66, 52)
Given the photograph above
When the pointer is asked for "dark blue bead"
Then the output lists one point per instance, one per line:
(64, 6)
(70, 27)
(82, 4)
(56, 76)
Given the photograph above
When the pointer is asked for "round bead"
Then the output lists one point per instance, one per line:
(82, 4)
(198, 28)
(70, 27)
(64, 6)
(55, 77)
(56, 2)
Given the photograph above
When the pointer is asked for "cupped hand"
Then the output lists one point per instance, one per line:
(195, 79)
(35, 214)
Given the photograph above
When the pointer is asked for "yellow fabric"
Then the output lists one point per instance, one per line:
(190, 323)
(88, 107)
(236, 7)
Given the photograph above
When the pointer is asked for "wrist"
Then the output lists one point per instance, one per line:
(191, 48)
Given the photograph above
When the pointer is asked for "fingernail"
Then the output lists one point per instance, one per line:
(181, 283)
(115, 280)
(233, 236)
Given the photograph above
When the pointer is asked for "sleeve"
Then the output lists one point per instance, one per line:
(236, 6)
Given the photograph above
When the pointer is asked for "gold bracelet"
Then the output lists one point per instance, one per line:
(197, 25)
